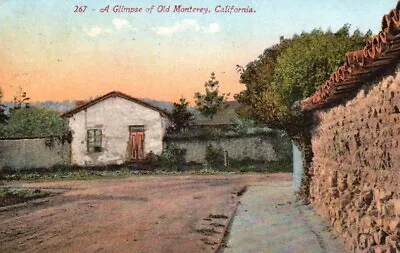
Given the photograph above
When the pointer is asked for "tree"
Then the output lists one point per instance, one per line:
(211, 102)
(33, 122)
(20, 100)
(181, 117)
(3, 115)
(289, 72)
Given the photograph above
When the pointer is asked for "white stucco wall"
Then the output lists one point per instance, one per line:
(114, 116)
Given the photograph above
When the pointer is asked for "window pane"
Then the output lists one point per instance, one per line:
(94, 140)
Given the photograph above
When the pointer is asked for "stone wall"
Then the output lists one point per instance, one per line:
(356, 168)
(257, 148)
(21, 154)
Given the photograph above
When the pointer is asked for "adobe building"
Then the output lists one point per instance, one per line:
(114, 129)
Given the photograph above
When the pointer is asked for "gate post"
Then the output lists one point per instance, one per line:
(297, 167)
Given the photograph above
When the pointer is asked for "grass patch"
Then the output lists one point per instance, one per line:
(283, 166)
(84, 174)
(242, 191)
(15, 196)
(217, 225)
(207, 231)
(95, 173)
(208, 242)
(66, 175)
(217, 216)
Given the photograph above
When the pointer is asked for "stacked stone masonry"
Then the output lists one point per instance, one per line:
(356, 168)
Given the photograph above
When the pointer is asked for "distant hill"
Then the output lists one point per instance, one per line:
(226, 116)
(60, 106)
(57, 106)
(165, 105)
(63, 106)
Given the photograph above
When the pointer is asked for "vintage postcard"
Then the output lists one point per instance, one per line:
(199, 126)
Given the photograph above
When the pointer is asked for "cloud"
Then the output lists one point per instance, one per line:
(186, 24)
(96, 31)
(118, 23)
(212, 28)
(122, 23)
(183, 26)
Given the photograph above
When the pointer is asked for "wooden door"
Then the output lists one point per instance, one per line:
(136, 141)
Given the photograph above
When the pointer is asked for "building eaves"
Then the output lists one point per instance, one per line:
(88, 104)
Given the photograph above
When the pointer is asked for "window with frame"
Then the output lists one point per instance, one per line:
(94, 140)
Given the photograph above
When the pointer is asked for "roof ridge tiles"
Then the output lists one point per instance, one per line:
(83, 106)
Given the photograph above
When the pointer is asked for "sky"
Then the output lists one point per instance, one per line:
(54, 50)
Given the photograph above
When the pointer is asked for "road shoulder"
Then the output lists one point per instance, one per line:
(269, 219)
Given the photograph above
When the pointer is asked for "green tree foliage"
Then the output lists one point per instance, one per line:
(33, 122)
(181, 117)
(308, 60)
(3, 116)
(211, 102)
(289, 72)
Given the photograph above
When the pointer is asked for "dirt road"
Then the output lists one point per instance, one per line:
(144, 214)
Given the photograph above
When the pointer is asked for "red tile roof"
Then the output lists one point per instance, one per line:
(83, 106)
(381, 53)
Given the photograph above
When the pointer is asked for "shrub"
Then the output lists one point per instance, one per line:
(214, 157)
(280, 166)
(247, 169)
(33, 122)
(172, 157)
